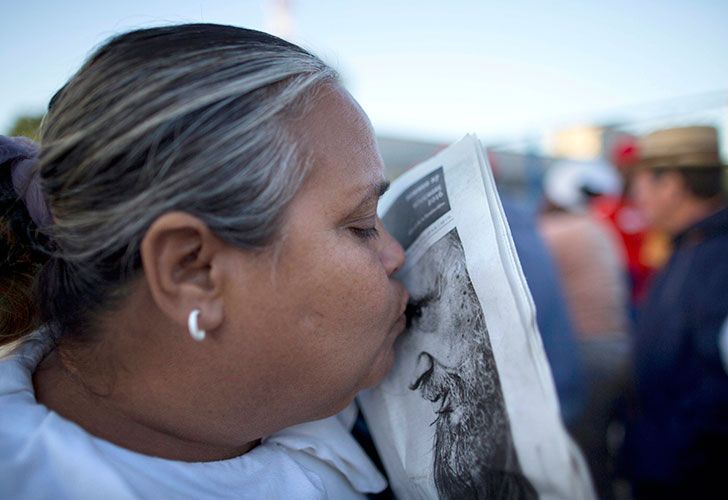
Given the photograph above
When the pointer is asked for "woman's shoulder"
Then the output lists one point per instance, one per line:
(39, 451)
(56, 458)
(42, 452)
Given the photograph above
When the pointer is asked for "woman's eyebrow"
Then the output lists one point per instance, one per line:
(381, 187)
(373, 193)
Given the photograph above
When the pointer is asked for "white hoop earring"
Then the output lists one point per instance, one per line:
(195, 332)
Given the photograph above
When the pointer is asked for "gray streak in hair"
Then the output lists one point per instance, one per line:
(202, 128)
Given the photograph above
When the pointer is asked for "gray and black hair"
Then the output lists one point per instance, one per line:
(193, 118)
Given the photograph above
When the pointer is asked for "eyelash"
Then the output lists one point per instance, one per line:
(365, 233)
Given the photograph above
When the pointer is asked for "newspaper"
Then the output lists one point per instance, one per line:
(469, 409)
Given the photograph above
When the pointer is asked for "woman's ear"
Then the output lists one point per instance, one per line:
(179, 255)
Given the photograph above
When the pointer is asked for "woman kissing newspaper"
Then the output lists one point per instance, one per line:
(470, 409)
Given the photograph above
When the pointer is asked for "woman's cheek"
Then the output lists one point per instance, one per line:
(357, 291)
(383, 298)
(371, 277)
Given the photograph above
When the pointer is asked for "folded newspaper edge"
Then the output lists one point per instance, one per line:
(470, 408)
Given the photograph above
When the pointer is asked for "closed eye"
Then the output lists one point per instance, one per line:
(365, 233)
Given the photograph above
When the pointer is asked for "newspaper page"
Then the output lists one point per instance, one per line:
(469, 409)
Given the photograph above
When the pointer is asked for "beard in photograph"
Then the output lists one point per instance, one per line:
(474, 454)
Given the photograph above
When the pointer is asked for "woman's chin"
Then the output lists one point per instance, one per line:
(381, 367)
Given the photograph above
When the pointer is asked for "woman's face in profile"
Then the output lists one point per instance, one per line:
(319, 312)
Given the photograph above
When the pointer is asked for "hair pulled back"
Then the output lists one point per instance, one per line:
(190, 117)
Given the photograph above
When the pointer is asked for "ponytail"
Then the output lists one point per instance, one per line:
(21, 257)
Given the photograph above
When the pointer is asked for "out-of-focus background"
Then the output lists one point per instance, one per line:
(533, 79)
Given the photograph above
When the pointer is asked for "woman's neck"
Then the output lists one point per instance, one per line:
(108, 414)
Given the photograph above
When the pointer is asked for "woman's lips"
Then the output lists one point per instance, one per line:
(404, 301)
(401, 322)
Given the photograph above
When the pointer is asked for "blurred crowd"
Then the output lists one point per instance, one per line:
(627, 261)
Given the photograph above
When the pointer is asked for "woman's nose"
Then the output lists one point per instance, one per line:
(391, 253)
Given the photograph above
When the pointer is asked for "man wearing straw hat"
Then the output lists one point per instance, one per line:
(677, 444)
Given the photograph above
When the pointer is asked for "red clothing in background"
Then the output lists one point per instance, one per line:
(627, 222)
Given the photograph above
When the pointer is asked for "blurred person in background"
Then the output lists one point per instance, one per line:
(645, 249)
(589, 260)
(552, 316)
(677, 440)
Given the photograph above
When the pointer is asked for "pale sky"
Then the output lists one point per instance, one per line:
(430, 69)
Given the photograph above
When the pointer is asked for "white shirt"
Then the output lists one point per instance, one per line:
(43, 455)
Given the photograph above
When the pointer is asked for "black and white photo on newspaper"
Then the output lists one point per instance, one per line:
(469, 409)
